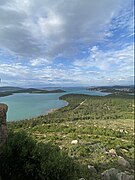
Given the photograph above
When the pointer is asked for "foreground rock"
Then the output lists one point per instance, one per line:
(109, 174)
(125, 176)
(74, 142)
(3, 126)
(92, 169)
(123, 162)
(112, 152)
(114, 174)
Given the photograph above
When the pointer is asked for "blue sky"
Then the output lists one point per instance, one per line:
(66, 43)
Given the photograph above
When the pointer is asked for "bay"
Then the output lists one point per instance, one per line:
(25, 105)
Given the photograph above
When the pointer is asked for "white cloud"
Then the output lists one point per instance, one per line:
(112, 63)
(104, 60)
(39, 62)
(34, 33)
(14, 70)
(29, 76)
(44, 28)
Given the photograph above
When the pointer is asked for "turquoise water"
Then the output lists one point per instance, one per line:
(24, 105)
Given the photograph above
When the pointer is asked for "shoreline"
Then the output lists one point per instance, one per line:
(52, 110)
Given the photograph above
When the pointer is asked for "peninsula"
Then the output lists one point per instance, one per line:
(7, 91)
(113, 89)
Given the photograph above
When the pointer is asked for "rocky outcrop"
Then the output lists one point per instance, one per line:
(92, 169)
(109, 174)
(125, 176)
(113, 173)
(123, 162)
(3, 126)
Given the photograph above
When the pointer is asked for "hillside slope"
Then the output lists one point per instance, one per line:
(93, 131)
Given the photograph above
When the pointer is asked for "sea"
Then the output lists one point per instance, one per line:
(25, 106)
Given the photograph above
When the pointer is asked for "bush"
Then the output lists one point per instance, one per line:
(23, 158)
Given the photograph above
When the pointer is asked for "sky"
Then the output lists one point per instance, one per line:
(66, 42)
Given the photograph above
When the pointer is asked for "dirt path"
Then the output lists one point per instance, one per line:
(80, 104)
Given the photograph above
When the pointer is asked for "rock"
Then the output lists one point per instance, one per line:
(124, 150)
(81, 179)
(109, 174)
(92, 169)
(61, 146)
(74, 142)
(125, 176)
(131, 150)
(121, 130)
(133, 171)
(3, 126)
(123, 162)
(113, 174)
(112, 152)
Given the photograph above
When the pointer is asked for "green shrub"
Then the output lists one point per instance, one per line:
(22, 158)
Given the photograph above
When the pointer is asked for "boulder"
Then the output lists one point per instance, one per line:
(74, 142)
(92, 169)
(114, 174)
(125, 176)
(109, 174)
(112, 152)
(123, 162)
(125, 150)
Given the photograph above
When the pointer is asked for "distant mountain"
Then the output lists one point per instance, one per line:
(114, 89)
(34, 90)
(9, 90)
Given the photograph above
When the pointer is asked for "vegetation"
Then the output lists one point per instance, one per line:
(2, 94)
(97, 124)
(34, 90)
(114, 89)
(7, 91)
(23, 158)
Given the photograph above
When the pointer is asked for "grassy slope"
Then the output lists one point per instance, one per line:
(98, 123)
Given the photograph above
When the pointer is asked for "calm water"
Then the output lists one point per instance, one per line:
(26, 105)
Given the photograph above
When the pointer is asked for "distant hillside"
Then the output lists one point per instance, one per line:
(95, 133)
(34, 90)
(8, 90)
(114, 89)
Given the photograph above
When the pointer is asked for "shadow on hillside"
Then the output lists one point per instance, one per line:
(23, 158)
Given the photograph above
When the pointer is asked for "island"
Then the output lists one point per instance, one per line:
(7, 91)
(113, 89)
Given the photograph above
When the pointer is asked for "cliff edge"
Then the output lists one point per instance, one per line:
(3, 126)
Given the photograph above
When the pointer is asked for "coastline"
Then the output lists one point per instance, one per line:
(52, 110)
(43, 111)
